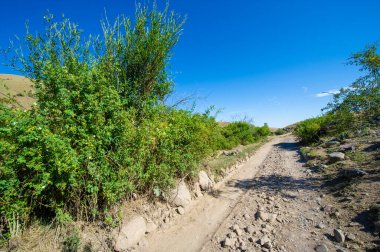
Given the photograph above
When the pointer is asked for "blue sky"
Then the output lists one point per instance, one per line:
(266, 60)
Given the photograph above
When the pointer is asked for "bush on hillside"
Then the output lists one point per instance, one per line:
(310, 130)
(100, 129)
(279, 132)
(358, 105)
(241, 132)
(263, 131)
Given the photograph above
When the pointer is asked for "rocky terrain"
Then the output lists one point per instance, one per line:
(287, 208)
(283, 198)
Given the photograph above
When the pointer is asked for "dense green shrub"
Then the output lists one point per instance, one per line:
(310, 130)
(242, 133)
(279, 132)
(100, 130)
(238, 133)
(263, 131)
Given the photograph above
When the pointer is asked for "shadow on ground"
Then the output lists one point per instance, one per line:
(287, 186)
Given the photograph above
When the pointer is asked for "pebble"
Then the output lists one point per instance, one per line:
(228, 242)
(339, 235)
(321, 225)
(180, 210)
(321, 248)
(351, 237)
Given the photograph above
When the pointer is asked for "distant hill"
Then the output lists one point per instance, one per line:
(18, 86)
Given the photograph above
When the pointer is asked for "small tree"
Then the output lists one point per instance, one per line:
(362, 98)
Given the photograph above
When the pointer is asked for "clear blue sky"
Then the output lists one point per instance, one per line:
(267, 60)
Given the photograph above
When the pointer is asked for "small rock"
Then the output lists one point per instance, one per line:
(339, 235)
(267, 245)
(336, 156)
(321, 225)
(246, 216)
(150, 227)
(268, 217)
(321, 248)
(354, 224)
(346, 147)
(130, 234)
(231, 235)
(180, 196)
(263, 240)
(204, 181)
(197, 190)
(180, 210)
(350, 237)
(229, 242)
(242, 245)
(331, 143)
(238, 231)
(249, 229)
(250, 239)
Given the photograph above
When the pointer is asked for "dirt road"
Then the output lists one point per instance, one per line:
(268, 204)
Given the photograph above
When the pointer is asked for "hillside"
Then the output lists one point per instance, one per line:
(17, 86)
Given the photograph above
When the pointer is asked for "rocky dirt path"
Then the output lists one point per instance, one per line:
(269, 204)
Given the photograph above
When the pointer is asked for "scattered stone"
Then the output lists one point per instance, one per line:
(180, 196)
(231, 235)
(250, 229)
(242, 245)
(321, 248)
(350, 237)
(250, 239)
(238, 231)
(354, 224)
(347, 147)
(321, 225)
(150, 227)
(180, 210)
(339, 235)
(331, 143)
(229, 242)
(204, 181)
(130, 234)
(336, 156)
(267, 245)
(197, 190)
(268, 217)
(263, 240)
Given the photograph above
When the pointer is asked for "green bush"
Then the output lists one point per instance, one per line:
(242, 133)
(279, 132)
(100, 129)
(310, 130)
(263, 131)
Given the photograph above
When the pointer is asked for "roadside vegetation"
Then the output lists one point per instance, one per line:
(355, 108)
(343, 148)
(100, 130)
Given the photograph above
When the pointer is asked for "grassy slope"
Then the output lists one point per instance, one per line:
(17, 86)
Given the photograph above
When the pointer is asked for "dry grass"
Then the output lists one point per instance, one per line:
(17, 86)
